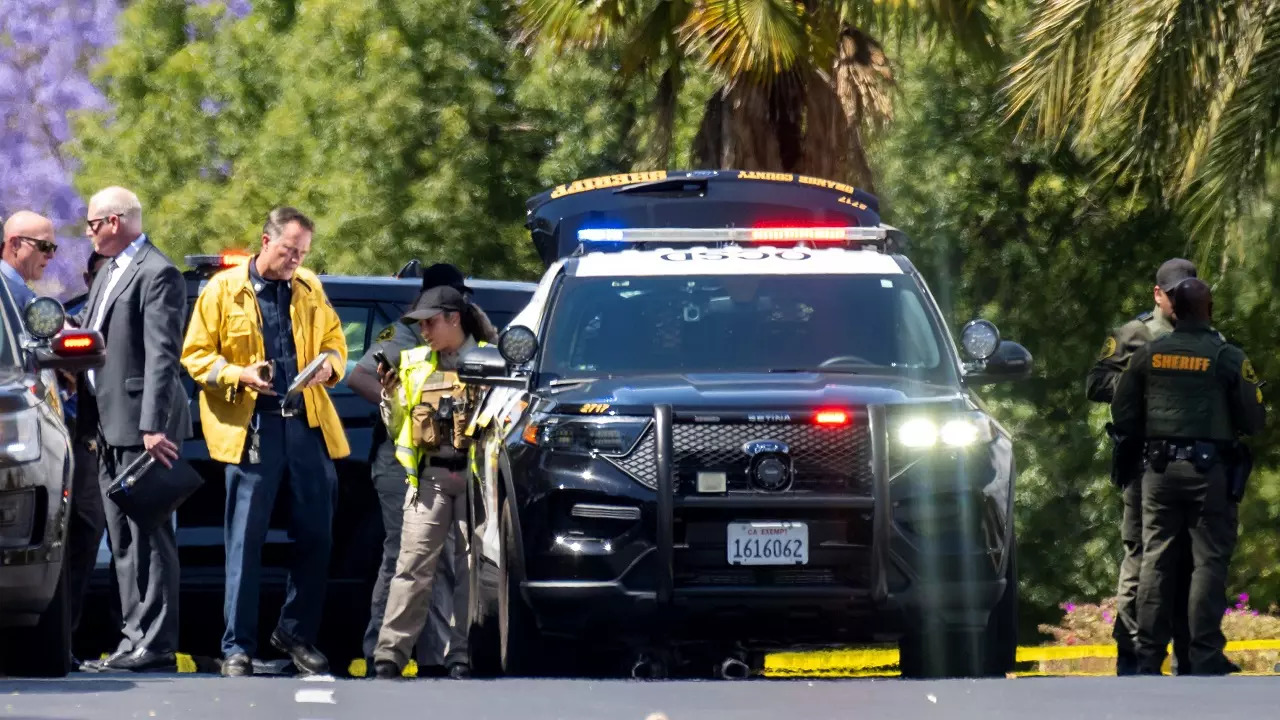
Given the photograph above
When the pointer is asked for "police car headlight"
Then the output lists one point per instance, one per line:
(588, 436)
(954, 432)
(20, 436)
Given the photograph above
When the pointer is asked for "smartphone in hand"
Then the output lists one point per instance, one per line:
(381, 357)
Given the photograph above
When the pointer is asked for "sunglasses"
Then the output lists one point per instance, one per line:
(44, 246)
(96, 223)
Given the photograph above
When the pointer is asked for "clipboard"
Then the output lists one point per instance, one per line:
(305, 376)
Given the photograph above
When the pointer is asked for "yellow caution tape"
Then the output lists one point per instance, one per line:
(186, 664)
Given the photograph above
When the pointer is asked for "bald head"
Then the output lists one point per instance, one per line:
(28, 244)
(1192, 301)
(115, 220)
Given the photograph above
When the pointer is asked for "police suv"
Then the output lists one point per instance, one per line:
(745, 432)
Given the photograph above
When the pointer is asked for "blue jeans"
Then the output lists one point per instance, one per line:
(289, 448)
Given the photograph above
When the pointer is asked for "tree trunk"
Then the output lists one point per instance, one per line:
(805, 122)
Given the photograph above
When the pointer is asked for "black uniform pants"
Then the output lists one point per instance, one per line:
(85, 525)
(1126, 627)
(1183, 500)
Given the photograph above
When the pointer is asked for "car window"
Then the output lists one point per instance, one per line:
(640, 325)
(355, 326)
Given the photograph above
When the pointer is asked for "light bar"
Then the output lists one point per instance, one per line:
(732, 235)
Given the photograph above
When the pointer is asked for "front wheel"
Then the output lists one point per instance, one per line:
(517, 631)
(43, 650)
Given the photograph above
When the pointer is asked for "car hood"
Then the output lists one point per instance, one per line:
(754, 391)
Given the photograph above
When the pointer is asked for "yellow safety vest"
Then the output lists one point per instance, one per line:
(417, 365)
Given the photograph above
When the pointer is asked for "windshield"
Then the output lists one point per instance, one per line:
(872, 324)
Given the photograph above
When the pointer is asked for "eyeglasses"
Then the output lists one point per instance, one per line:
(44, 246)
(96, 223)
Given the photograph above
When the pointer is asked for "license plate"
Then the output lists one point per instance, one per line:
(768, 543)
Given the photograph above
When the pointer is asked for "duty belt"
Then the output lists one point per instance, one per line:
(1172, 450)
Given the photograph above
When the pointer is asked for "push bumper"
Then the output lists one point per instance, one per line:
(859, 584)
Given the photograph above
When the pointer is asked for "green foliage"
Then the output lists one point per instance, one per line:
(390, 122)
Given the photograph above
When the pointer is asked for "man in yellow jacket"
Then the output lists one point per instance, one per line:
(255, 328)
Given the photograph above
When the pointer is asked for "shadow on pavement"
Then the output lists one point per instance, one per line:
(31, 686)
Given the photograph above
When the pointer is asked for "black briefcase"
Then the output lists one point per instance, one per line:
(148, 492)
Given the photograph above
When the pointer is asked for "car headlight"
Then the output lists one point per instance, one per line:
(587, 435)
(19, 436)
(954, 431)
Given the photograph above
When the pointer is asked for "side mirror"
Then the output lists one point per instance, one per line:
(486, 366)
(1009, 362)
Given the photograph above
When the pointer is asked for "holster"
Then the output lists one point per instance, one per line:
(424, 417)
(1126, 457)
(1239, 467)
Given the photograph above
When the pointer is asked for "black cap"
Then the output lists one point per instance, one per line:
(444, 274)
(1192, 300)
(433, 302)
(1174, 271)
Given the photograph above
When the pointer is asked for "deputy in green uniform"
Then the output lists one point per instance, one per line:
(1189, 395)
(1100, 387)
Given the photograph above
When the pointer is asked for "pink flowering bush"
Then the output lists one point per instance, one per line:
(1092, 624)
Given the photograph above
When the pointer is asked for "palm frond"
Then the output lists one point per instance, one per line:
(1245, 144)
(563, 24)
(756, 39)
(966, 22)
(1051, 85)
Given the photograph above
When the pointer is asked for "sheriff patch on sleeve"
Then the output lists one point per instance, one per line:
(1246, 372)
(1192, 363)
(1108, 348)
(387, 333)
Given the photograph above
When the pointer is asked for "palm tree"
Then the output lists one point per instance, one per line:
(800, 82)
(1181, 95)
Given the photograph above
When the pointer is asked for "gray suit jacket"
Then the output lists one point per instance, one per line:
(139, 389)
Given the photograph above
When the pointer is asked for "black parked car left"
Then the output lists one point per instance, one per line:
(35, 482)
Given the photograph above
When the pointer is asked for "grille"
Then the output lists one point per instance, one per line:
(827, 459)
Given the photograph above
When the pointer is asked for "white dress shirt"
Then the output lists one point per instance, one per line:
(116, 267)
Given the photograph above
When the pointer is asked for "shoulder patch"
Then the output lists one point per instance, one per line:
(1246, 372)
(387, 333)
(1108, 348)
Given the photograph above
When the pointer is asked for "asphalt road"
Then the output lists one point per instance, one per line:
(93, 697)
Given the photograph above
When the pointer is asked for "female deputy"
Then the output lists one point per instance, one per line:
(435, 468)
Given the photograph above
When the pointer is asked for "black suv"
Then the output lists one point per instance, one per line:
(366, 305)
(733, 420)
(35, 482)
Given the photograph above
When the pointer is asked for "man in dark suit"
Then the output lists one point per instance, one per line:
(138, 303)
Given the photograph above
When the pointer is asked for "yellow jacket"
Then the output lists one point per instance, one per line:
(225, 335)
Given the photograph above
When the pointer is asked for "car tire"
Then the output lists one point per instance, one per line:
(518, 633)
(484, 635)
(44, 650)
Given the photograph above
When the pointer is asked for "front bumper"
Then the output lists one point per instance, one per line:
(927, 539)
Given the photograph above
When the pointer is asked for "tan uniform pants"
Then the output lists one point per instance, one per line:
(428, 523)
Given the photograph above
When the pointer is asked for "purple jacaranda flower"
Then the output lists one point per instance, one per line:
(1070, 607)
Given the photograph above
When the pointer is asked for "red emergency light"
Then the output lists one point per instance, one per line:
(832, 417)
(76, 342)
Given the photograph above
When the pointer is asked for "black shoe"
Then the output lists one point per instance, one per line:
(460, 671)
(142, 660)
(386, 670)
(237, 665)
(306, 657)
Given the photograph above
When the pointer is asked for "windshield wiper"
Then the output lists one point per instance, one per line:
(570, 381)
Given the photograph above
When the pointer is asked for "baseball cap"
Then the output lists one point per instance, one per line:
(444, 274)
(430, 303)
(1174, 271)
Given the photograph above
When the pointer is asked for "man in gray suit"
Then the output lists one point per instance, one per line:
(138, 303)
